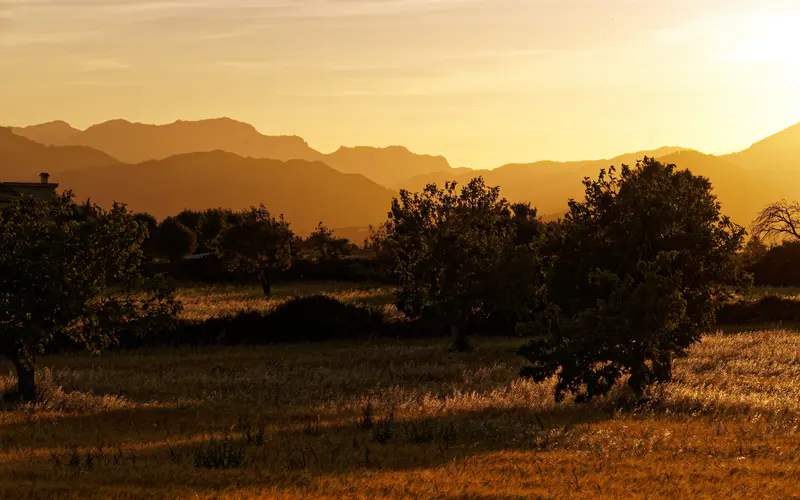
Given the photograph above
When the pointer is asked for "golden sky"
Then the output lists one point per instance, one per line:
(483, 82)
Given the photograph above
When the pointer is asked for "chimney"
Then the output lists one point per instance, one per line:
(45, 177)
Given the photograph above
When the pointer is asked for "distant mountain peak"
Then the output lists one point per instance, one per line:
(779, 151)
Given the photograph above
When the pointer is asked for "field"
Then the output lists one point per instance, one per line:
(392, 418)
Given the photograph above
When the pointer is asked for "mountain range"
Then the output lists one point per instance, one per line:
(163, 169)
(137, 142)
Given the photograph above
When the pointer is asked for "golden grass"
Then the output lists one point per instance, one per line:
(203, 302)
(444, 425)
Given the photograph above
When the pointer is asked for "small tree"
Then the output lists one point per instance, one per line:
(778, 221)
(327, 246)
(446, 248)
(257, 243)
(68, 276)
(212, 222)
(175, 240)
(633, 276)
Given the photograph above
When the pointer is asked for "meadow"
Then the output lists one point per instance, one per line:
(396, 418)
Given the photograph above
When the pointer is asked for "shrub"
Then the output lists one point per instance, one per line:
(779, 266)
(769, 309)
(319, 318)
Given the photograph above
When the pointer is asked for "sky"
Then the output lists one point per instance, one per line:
(483, 82)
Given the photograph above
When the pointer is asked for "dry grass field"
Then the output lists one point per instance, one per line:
(392, 418)
(202, 302)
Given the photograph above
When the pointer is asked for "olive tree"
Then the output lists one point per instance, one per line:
(256, 242)
(325, 245)
(71, 274)
(633, 276)
(446, 248)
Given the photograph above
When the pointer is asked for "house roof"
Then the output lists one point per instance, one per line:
(49, 185)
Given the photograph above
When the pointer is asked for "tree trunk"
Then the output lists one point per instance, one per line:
(662, 367)
(26, 382)
(640, 378)
(266, 283)
(460, 341)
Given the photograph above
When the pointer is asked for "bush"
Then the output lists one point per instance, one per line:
(780, 266)
(769, 309)
(319, 318)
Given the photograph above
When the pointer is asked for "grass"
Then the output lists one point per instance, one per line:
(390, 418)
(203, 302)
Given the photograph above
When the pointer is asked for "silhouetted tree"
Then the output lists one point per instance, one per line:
(190, 219)
(212, 222)
(56, 277)
(446, 248)
(752, 253)
(633, 276)
(175, 240)
(257, 243)
(778, 221)
(327, 246)
(778, 266)
(150, 244)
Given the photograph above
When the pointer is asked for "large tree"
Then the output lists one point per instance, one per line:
(256, 242)
(67, 272)
(633, 276)
(447, 247)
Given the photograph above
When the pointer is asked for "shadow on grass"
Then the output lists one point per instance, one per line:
(159, 447)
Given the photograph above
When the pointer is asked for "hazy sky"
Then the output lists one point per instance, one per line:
(484, 82)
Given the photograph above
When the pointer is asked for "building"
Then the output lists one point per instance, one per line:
(42, 190)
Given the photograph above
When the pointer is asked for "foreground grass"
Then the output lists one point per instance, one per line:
(387, 418)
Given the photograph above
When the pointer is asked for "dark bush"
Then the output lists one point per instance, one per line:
(780, 266)
(319, 318)
(769, 309)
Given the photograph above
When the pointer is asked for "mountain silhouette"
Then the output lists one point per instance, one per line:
(222, 162)
(21, 159)
(387, 166)
(57, 133)
(779, 151)
(305, 192)
(137, 142)
(549, 185)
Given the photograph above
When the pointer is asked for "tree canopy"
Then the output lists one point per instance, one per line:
(175, 240)
(326, 246)
(447, 246)
(256, 242)
(633, 275)
(70, 273)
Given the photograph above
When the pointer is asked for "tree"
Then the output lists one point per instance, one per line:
(633, 275)
(63, 275)
(257, 243)
(779, 220)
(190, 219)
(446, 248)
(327, 246)
(150, 244)
(175, 240)
(211, 223)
